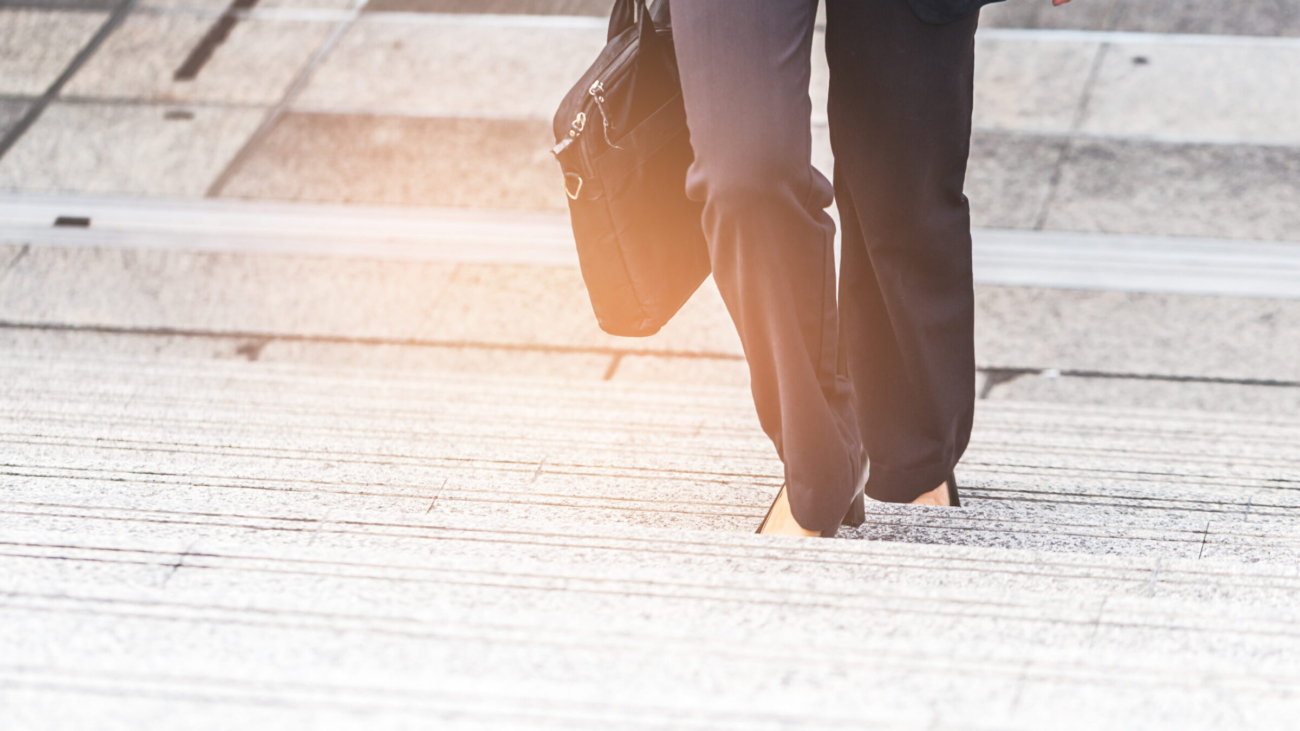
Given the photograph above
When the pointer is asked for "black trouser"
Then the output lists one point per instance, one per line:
(892, 368)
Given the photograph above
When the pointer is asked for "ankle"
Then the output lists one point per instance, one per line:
(938, 496)
(781, 521)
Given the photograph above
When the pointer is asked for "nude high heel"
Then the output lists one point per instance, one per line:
(856, 515)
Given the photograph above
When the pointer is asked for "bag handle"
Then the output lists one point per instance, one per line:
(626, 12)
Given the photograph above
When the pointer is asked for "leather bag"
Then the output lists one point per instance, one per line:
(622, 143)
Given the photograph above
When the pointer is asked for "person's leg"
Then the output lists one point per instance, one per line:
(900, 110)
(745, 67)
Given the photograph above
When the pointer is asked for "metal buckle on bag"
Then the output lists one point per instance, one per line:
(573, 194)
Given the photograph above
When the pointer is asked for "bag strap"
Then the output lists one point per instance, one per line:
(626, 12)
(661, 14)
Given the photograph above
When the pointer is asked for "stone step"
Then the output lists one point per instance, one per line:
(1152, 133)
(528, 619)
(1157, 523)
(530, 544)
(302, 441)
(288, 545)
(1001, 257)
(489, 586)
(282, 304)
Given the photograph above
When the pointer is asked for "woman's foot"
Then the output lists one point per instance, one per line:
(780, 520)
(938, 496)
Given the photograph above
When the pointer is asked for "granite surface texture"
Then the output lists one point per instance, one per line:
(143, 149)
(28, 67)
(1245, 18)
(414, 161)
(182, 536)
(11, 110)
(254, 65)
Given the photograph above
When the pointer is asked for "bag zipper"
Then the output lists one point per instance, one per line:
(595, 94)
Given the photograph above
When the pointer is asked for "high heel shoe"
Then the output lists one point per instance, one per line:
(856, 515)
(783, 502)
(954, 500)
(770, 508)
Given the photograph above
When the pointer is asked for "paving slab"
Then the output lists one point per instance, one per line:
(441, 65)
(37, 45)
(1096, 15)
(1145, 393)
(242, 294)
(1030, 85)
(1131, 333)
(497, 163)
(254, 65)
(537, 306)
(447, 303)
(127, 149)
(1249, 18)
(1233, 191)
(1165, 91)
(403, 161)
(1009, 178)
(440, 303)
(451, 69)
(1111, 186)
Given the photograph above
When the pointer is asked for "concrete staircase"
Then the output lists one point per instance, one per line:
(207, 543)
(305, 421)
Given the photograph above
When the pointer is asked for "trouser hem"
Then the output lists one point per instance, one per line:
(889, 485)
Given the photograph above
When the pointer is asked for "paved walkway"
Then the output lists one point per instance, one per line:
(1145, 120)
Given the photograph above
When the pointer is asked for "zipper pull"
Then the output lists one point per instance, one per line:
(597, 92)
(575, 129)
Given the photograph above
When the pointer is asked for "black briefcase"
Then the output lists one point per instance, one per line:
(622, 143)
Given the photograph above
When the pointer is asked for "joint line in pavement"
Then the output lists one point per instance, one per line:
(1080, 114)
(997, 374)
(369, 341)
(216, 35)
(1003, 375)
